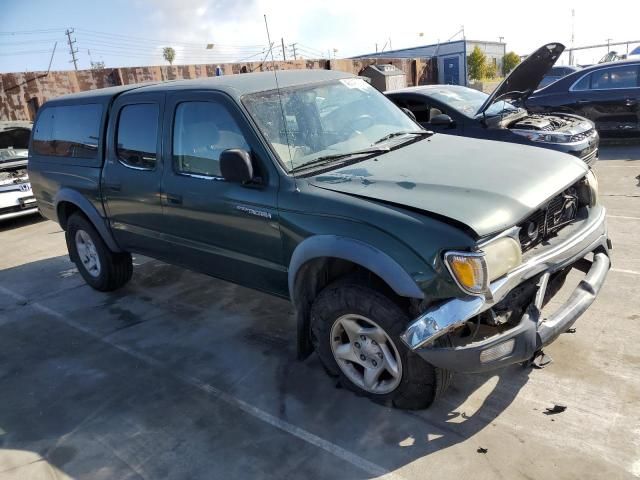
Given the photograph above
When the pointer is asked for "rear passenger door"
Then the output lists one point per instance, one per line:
(221, 228)
(133, 172)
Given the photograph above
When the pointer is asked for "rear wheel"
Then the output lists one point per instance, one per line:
(101, 268)
(356, 333)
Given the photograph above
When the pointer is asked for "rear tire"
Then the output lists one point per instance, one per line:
(101, 268)
(347, 352)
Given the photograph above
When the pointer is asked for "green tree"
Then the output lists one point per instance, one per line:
(490, 71)
(509, 62)
(169, 54)
(477, 63)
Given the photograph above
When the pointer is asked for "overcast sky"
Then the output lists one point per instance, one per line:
(105, 31)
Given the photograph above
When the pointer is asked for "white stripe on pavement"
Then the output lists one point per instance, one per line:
(621, 270)
(623, 216)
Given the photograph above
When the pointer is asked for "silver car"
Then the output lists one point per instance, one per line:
(16, 197)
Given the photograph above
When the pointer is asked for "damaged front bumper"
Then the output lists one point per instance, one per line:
(533, 332)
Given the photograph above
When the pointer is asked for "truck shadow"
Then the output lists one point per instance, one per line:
(17, 222)
(238, 341)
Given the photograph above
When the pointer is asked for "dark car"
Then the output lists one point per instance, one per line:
(407, 254)
(458, 110)
(556, 73)
(607, 94)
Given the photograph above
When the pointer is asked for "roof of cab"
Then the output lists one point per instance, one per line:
(241, 84)
(234, 85)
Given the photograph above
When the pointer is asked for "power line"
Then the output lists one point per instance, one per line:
(33, 32)
(23, 52)
(162, 41)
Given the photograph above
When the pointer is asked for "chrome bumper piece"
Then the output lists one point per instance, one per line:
(440, 319)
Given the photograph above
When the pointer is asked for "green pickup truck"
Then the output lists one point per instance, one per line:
(408, 255)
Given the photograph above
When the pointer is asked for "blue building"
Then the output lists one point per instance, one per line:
(452, 65)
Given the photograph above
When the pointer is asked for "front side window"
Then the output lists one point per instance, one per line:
(137, 137)
(309, 122)
(201, 132)
(419, 109)
(68, 131)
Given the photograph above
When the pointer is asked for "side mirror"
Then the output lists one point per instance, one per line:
(441, 119)
(235, 165)
(409, 113)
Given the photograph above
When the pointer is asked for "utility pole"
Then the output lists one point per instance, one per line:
(376, 47)
(284, 56)
(573, 31)
(72, 51)
(293, 47)
(608, 42)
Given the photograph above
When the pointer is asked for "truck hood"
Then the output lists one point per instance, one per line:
(525, 78)
(487, 186)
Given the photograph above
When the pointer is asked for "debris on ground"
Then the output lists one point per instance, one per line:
(482, 450)
(540, 360)
(557, 408)
(571, 330)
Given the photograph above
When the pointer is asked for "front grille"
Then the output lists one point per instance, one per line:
(549, 220)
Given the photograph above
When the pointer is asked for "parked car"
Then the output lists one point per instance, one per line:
(408, 255)
(16, 197)
(458, 110)
(556, 73)
(608, 94)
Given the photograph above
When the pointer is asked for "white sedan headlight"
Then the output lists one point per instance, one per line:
(592, 183)
(474, 271)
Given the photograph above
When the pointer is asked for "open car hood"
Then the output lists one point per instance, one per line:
(525, 78)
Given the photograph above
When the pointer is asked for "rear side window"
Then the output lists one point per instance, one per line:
(137, 137)
(201, 132)
(71, 131)
(623, 77)
(610, 78)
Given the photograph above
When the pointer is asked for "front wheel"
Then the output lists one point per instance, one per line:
(356, 333)
(101, 268)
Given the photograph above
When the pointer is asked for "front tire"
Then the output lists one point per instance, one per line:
(356, 333)
(101, 268)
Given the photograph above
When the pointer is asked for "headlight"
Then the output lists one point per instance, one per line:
(592, 183)
(544, 137)
(473, 271)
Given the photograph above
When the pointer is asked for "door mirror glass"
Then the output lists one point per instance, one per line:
(235, 165)
(441, 119)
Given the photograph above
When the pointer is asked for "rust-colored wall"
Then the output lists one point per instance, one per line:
(17, 89)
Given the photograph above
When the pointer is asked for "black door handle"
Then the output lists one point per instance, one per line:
(174, 199)
(114, 187)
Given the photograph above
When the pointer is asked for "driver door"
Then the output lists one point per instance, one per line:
(225, 229)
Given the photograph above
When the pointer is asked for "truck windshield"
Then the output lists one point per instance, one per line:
(327, 120)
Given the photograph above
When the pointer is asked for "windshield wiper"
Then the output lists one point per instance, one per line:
(407, 132)
(338, 156)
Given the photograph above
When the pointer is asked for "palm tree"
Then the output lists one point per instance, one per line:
(169, 54)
